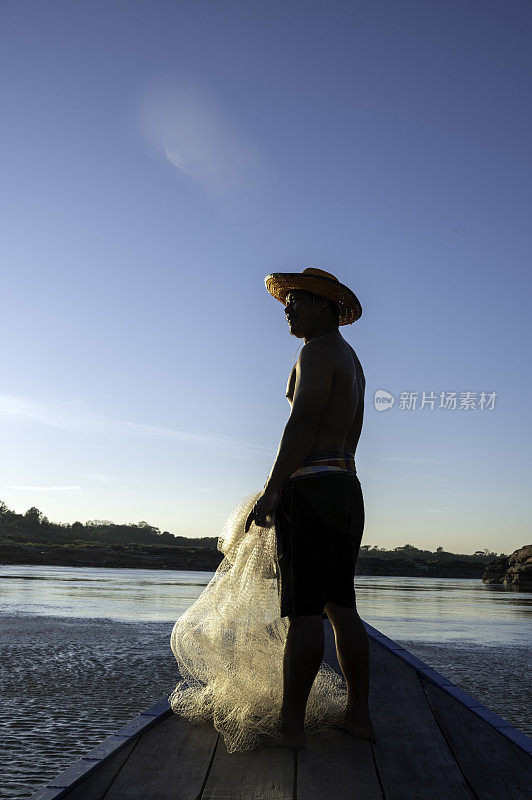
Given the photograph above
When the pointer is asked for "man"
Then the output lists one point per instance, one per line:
(315, 498)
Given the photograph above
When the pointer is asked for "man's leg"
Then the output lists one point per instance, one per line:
(352, 648)
(303, 655)
(307, 556)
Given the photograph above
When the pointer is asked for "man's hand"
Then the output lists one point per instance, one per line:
(264, 507)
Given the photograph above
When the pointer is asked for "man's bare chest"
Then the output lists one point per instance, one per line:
(345, 369)
(290, 386)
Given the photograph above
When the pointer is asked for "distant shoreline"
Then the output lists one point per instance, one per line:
(204, 560)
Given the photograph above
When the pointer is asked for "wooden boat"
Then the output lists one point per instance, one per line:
(434, 742)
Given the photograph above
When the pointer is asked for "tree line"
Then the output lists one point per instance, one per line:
(408, 552)
(35, 527)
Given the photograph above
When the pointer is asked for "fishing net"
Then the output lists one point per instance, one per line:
(229, 646)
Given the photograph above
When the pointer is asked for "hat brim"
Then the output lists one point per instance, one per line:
(280, 283)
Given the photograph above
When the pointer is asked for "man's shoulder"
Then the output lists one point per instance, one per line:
(330, 354)
(315, 349)
(326, 349)
(317, 356)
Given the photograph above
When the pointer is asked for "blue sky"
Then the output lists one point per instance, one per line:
(159, 159)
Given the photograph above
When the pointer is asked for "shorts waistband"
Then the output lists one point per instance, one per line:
(329, 454)
(327, 461)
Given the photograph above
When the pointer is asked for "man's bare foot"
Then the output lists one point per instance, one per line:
(359, 725)
(362, 730)
(292, 739)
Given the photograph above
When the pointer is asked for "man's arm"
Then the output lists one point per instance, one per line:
(314, 374)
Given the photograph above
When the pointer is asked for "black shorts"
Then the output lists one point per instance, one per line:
(319, 523)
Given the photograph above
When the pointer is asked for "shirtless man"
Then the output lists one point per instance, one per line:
(326, 394)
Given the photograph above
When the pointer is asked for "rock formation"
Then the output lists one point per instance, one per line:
(515, 570)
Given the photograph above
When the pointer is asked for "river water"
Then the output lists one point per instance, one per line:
(85, 649)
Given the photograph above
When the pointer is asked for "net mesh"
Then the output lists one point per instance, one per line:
(229, 646)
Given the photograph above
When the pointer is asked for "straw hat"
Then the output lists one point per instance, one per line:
(319, 282)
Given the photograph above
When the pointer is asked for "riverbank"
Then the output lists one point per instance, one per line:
(114, 555)
(203, 559)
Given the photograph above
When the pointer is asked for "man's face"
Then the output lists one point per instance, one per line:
(297, 310)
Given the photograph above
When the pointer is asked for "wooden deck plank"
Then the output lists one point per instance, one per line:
(95, 786)
(262, 774)
(336, 766)
(413, 759)
(170, 761)
(494, 766)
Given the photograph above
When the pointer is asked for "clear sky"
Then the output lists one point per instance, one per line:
(159, 159)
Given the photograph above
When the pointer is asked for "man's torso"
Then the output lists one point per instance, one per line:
(340, 424)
